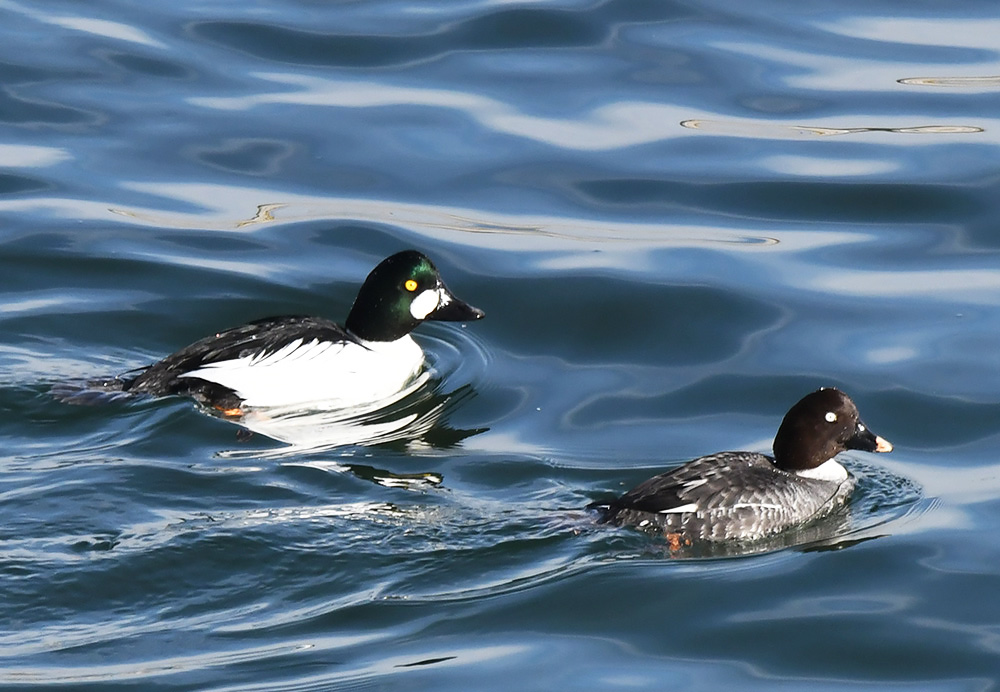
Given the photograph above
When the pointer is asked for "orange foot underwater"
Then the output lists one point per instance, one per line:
(676, 540)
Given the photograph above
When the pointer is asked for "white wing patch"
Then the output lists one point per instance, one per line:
(334, 374)
(756, 505)
(690, 507)
(291, 352)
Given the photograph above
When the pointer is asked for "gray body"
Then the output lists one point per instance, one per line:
(728, 496)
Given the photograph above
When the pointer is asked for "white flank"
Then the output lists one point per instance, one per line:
(829, 470)
(690, 507)
(335, 374)
(755, 505)
(425, 303)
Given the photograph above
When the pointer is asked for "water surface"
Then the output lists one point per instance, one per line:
(679, 218)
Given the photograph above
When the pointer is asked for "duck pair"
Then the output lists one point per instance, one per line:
(285, 361)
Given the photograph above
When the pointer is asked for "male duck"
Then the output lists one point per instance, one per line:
(301, 360)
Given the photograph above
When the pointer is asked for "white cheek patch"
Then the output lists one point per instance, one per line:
(425, 303)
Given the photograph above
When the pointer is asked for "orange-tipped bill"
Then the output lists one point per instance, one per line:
(882, 444)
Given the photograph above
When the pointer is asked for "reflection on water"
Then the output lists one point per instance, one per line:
(245, 209)
(961, 82)
(609, 126)
(775, 131)
(414, 413)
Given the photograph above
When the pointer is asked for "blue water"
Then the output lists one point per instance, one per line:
(679, 218)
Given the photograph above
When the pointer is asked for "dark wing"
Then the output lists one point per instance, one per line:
(260, 337)
(717, 480)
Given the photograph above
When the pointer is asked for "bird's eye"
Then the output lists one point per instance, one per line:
(410, 285)
(831, 417)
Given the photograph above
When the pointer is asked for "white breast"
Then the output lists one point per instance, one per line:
(331, 375)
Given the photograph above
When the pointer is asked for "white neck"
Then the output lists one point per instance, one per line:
(829, 470)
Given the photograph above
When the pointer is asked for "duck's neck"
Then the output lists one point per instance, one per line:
(379, 323)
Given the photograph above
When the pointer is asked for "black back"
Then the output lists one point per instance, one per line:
(262, 337)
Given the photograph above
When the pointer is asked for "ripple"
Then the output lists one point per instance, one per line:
(955, 82)
(506, 28)
(105, 28)
(30, 156)
(250, 156)
(608, 126)
(30, 111)
(241, 209)
(776, 131)
(148, 668)
(12, 185)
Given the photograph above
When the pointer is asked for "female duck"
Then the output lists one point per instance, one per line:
(746, 495)
(300, 360)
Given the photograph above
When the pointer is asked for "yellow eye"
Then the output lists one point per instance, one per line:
(410, 285)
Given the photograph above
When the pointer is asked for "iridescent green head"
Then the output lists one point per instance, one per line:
(400, 293)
